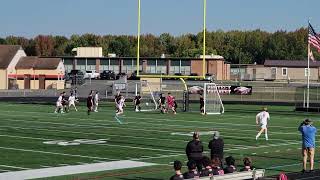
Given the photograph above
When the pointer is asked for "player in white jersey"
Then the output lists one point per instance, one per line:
(96, 101)
(71, 101)
(262, 119)
(120, 105)
(59, 107)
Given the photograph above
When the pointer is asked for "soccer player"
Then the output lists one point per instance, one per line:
(216, 166)
(231, 168)
(90, 103)
(247, 163)
(137, 101)
(177, 168)
(162, 103)
(96, 101)
(207, 169)
(262, 119)
(64, 102)
(71, 101)
(202, 105)
(59, 104)
(120, 105)
(117, 99)
(192, 171)
(170, 101)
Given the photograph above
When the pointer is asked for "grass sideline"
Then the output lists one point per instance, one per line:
(145, 137)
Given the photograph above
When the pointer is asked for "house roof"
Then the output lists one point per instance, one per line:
(7, 52)
(32, 62)
(291, 63)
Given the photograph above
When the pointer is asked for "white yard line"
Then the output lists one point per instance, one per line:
(69, 170)
(14, 167)
(54, 153)
(112, 145)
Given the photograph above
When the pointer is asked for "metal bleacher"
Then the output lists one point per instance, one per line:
(254, 175)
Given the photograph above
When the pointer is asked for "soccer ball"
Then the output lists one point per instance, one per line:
(147, 104)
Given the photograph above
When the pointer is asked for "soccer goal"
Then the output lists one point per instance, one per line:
(147, 93)
(212, 99)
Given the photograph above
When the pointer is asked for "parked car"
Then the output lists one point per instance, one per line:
(120, 75)
(91, 75)
(108, 75)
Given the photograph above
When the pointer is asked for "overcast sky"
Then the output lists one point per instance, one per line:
(66, 17)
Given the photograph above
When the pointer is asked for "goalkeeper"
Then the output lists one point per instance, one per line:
(202, 105)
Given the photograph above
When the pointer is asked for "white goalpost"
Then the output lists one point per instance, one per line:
(148, 101)
(212, 100)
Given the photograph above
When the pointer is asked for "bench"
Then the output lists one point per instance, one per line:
(255, 174)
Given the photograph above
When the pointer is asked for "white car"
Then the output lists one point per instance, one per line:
(91, 75)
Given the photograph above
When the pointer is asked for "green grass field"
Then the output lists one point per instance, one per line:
(146, 137)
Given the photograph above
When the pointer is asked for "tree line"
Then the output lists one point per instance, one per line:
(245, 47)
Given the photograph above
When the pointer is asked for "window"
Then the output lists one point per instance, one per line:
(306, 72)
(284, 71)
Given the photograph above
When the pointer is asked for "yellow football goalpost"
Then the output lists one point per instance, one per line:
(173, 76)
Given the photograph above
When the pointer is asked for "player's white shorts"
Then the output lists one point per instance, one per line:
(58, 104)
(263, 126)
(71, 104)
(120, 108)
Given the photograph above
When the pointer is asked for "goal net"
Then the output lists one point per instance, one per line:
(148, 99)
(212, 100)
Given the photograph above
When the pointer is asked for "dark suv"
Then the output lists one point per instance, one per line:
(108, 75)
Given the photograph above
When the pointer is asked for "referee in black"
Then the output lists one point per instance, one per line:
(194, 150)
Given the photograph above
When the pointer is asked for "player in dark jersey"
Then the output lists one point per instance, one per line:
(90, 103)
(162, 103)
(177, 167)
(201, 104)
(207, 171)
(192, 171)
(64, 102)
(231, 168)
(117, 98)
(137, 101)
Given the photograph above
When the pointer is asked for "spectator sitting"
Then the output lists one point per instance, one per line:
(177, 167)
(230, 161)
(216, 169)
(192, 171)
(207, 171)
(247, 162)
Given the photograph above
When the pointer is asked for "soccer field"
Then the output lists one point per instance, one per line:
(33, 137)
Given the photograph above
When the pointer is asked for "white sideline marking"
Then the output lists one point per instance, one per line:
(14, 167)
(64, 164)
(55, 153)
(68, 170)
(288, 165)
(45, 166)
